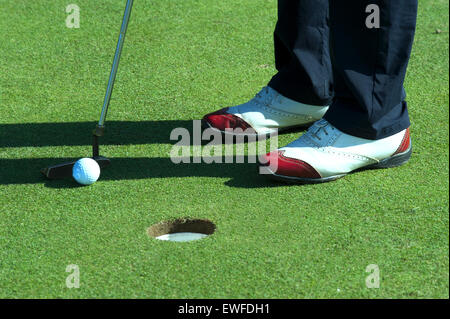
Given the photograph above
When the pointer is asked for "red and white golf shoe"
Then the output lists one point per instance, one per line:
(266, 113)
(324, 154)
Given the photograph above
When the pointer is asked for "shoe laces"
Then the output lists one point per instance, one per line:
(319, 126)
(266, 96)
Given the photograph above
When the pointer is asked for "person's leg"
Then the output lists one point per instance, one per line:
(369, 66)
(367, 125)
(302, 56)
(301, 91)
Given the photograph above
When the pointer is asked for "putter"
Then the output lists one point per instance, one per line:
(64, 170)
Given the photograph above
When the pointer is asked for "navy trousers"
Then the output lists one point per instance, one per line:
(333, 52)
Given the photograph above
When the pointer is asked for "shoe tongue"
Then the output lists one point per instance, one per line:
(317, 126)
(321, 122)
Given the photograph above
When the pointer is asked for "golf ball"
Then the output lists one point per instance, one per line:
(86, 171)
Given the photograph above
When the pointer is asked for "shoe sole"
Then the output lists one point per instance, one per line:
(394, 161)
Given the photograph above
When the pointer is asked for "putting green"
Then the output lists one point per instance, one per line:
(183, 59)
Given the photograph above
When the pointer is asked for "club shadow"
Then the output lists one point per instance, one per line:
(240, 175)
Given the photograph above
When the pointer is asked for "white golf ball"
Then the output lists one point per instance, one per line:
(86, 171)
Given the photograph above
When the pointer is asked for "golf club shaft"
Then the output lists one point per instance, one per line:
(115, 65)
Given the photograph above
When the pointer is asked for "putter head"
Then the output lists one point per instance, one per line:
(64, 170)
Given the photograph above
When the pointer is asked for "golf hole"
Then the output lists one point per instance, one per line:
(182, 230)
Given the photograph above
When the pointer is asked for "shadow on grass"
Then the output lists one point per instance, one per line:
(27, 171)
(80, 133)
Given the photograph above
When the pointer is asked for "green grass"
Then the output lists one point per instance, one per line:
(181, 60)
